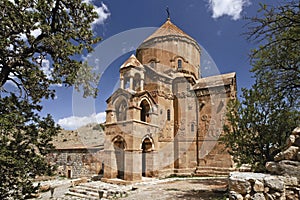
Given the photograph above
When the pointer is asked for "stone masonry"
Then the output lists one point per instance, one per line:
(282, 185)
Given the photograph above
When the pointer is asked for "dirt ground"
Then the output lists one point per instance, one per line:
(165, 189)
(200, 189)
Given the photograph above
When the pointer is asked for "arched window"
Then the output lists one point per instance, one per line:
(179, 64)
(168, 115)
(121, 111)
(136, 82)
(145, 111)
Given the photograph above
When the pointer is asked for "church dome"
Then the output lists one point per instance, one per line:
(170, 47)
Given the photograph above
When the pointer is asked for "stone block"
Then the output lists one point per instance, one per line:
(290, 141)
(258, 186)
(289, 154)
(258, 196)
(235, 196)
(289, 180)
(241, 186)
(269, 197)
(274, 183)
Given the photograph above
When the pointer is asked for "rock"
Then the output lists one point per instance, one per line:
(284, 167)
(274, 183)
(247, 197)
(289, 180)
(290, 141)
(258, 196)
(289, 154)
(269, 197)
(44, 188)
(258, 186)
(291, 168)
(239, 185)
(235, 196)
(273, 167)
(298, 156)
(267, 189)
(296, 131)
(297, 142)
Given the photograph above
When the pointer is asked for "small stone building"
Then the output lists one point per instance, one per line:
(78, 153)
(166, 118)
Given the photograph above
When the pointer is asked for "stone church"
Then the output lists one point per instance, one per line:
(165, 118)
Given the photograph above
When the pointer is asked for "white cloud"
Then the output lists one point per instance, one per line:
(46, 68)
(75, 122)
(231, 8)
(103, 13)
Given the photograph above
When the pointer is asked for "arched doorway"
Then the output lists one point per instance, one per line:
(145, 111)
(146, 149)
(119, 146)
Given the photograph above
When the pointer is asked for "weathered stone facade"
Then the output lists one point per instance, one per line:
(78, 153)
(165, 118)
(77, 162)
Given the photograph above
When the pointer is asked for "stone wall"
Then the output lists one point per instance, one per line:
(75, 163)
(283, 184)
(257, 186)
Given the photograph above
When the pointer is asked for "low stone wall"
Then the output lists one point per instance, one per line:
(257, 186)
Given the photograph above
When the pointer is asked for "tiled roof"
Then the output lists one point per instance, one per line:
(131, 61)
(168, 28)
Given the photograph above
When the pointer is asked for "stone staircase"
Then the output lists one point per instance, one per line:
(212, 171)
(98, 190)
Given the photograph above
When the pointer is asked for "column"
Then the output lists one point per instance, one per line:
(142, 84)
(110, 168)
(122, 83)
(131, 82)
(133, 165)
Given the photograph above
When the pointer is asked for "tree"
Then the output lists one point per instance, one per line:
(261, 121)
(259, 126)
(277, 58)
(41, 44)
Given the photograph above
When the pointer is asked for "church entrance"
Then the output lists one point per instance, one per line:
(146, 149)
(119, 147)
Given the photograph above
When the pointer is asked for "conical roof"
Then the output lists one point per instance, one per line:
(168, 29)
(131, 61)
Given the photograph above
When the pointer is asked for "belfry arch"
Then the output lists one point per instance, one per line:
(145, 111)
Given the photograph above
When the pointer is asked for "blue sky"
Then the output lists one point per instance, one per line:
(217, 25)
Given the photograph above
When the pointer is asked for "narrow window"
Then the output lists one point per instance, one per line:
(179, 64)
(145, 111)
(192, 127)
(168, 115)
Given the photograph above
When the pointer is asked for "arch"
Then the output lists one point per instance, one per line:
(119, 139)
(119, 147)
(147, 147)
(147, 138)
(136, 82)
(121, 109)
(145, 105)
(126, 82)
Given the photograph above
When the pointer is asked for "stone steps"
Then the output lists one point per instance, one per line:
(79, 195)
(92, 192)
(212, 171)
